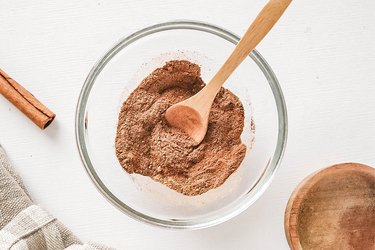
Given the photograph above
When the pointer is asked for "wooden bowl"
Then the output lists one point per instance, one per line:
(333, 209)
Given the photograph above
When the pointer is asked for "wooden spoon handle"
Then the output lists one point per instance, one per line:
(262, 24)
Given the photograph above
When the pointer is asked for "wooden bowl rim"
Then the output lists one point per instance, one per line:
(292, 208)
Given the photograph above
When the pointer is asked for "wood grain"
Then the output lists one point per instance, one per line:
(333, 209)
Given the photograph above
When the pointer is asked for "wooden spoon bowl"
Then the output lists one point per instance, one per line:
(333, 209)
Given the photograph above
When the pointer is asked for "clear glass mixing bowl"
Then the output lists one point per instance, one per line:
(122, 68)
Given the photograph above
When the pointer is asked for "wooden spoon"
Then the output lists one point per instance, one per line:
(191, 115)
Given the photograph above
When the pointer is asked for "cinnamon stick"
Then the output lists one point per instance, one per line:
(25, 101)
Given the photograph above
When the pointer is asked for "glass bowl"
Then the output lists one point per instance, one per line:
(123, 67)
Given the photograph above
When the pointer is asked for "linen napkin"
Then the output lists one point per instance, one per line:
(26, 226)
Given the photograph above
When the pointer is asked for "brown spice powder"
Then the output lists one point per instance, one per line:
(146, 145)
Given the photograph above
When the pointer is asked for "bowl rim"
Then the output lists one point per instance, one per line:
(263, 181)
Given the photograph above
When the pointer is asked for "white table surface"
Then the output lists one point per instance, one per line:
(323, 53)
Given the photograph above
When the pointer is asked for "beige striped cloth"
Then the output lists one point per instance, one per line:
(25, 226)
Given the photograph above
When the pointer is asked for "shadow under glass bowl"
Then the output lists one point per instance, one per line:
(118, 73)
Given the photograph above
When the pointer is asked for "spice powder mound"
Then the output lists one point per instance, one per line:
(147, 145)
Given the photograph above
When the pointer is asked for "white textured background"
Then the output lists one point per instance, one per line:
(323, 53)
